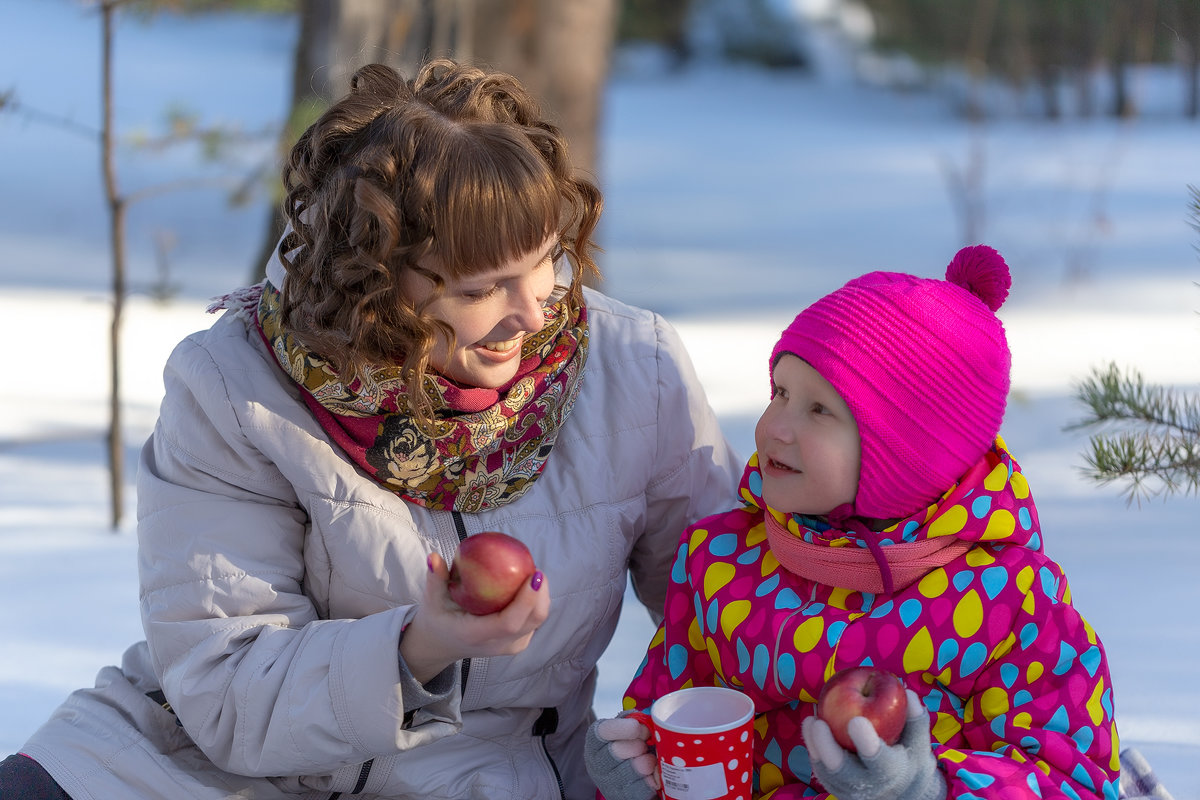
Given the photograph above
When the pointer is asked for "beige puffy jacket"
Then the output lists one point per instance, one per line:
(276, 580)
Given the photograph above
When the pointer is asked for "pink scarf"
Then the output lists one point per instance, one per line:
(851, 556)
(861, 569)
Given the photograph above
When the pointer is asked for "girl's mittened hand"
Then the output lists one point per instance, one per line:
(877, 771)
(619, 760)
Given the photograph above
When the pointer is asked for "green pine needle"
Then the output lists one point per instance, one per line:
(1152, 444)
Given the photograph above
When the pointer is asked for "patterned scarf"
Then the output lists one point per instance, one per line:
(990, 503)
(484, 448)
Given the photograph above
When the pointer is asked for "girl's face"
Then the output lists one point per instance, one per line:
(807, 440)
(491, 313)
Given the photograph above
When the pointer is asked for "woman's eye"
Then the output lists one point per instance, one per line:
(480, 294)
(551, 260)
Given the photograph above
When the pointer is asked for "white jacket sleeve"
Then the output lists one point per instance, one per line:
(696, 471)
(261, 683)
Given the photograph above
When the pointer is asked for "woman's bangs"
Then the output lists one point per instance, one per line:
(494, 207)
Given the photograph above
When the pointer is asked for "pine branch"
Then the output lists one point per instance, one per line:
(1194, 208)
(1114, 397)
(1155, 449)
(1149, 465)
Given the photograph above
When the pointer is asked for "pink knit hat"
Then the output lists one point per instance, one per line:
(924, 367)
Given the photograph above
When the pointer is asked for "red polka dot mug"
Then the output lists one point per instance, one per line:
(704, 740)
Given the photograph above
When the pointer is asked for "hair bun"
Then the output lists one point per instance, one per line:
(981, 271)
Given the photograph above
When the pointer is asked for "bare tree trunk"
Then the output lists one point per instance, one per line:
(346, 35)
(1187, 13)
(560, 49)
(1123, 105)
(967, 185)
(116, 217)
(334, 40)
(1134, 24)
(577, 38)
(1052, 60)
(1192, 80)
(983, 20)
(314, 21)
(1083, 51)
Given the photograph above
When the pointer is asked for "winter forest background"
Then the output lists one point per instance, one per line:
(754, 156)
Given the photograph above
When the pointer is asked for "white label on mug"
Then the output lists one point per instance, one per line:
(694, 783)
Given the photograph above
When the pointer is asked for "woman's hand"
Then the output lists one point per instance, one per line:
(441, 633)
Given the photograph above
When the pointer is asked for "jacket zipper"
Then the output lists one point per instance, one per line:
(364, 772)
(547, 724)
(460, 528)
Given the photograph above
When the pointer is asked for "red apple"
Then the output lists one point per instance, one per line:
(488, 571)
(863, 692)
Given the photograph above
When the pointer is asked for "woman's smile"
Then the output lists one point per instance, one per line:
(503, 347)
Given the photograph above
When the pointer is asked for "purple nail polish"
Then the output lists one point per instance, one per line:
(429, 562)
(536, 580)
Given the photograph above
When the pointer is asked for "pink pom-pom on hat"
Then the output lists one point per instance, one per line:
(982, 272)
(923, 365)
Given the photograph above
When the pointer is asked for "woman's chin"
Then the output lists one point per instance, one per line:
(483, 375)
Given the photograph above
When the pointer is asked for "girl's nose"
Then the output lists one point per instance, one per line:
(776, 426)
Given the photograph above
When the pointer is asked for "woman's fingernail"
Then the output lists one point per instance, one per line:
(429, 561)
(536, 581)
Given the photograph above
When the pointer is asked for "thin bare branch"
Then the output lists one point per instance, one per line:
(183, 184)
(10, 104)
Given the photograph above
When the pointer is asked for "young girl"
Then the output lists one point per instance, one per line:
(885, 523)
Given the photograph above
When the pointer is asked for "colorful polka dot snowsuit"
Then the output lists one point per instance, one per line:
(1015, 680)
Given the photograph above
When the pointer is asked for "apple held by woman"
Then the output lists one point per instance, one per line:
(487, 572)
(866, 692)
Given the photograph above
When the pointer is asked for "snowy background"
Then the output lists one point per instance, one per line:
(734, 197)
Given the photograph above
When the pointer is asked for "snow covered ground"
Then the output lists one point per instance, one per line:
(734, 198)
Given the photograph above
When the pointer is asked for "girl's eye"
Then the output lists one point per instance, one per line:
(817, 408)
(778, 391)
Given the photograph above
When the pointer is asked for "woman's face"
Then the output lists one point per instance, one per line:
(491, 313)
(809, 450)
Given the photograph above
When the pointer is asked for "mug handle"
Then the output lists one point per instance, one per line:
(644, 718)
(648, 721)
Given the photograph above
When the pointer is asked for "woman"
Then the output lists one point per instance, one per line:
(421, 365)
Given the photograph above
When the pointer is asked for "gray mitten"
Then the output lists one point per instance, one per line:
(906, 770)
(619, 761)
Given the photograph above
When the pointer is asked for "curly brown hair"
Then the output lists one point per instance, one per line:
(456, 164)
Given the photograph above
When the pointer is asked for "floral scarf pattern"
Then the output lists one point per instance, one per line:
(485, 447)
